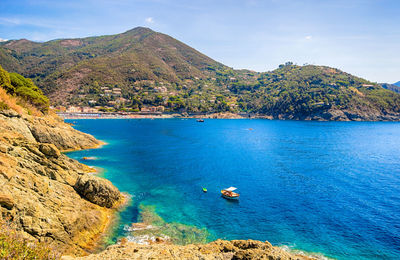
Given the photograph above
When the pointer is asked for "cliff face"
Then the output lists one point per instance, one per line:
(48, 196)
(220, 249)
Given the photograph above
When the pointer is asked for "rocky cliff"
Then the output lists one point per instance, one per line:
(220, 249)
(46, 195)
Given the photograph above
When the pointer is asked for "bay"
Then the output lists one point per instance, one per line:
(325, 187)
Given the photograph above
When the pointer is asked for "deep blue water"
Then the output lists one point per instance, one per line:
(328, 187)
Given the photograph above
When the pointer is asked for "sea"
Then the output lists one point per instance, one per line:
(328, 189)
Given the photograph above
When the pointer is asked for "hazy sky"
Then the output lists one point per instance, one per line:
(358, 36)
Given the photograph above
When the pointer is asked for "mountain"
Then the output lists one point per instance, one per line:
(397, 83)
(317, 93)
(63, 68)
(392, 87)
(141, 68)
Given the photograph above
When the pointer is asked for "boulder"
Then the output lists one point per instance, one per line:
(49, 150)
(6, 201)
(10, 113)
(97, 190)
(3, 148)
(63, 136)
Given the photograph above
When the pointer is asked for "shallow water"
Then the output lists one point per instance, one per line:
(327, 187)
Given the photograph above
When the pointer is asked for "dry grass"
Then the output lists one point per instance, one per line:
(9, 101)
(15, 103)
(14, 246)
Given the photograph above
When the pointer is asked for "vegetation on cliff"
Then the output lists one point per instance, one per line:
(27, 93)
(14, 246)
(392, 87)
(301, 92)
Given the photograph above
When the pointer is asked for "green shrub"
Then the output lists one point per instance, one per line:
(36, 98)
(18, 85)
(5, 81)
(3, 106)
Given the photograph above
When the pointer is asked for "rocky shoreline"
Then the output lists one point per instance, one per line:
(52, 198)
(329, 115)
(219, 249)
(47, 196)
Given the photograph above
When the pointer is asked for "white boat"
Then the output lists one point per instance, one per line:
(229, 194)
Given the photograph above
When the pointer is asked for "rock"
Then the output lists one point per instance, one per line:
(37, 183)
(220, 249)
(16, 125)
(9, 113)
(97, 190)
(6, 201)
(3, 149)
(49, 150)
(62, 135)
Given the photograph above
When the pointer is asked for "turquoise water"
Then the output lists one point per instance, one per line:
(327, 187)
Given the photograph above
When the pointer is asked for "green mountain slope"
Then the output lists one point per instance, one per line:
(391, 87)
(63, 67)
(142, 68)
(317, 92)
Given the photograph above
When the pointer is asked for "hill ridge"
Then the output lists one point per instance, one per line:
(140, 69)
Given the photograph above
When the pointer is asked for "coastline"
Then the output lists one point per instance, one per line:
(96, 146)
(135, 115)
(334, 116)
(100, 243)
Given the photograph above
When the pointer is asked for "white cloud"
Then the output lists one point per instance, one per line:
(149, 20)
(3, 40)
(308, 37)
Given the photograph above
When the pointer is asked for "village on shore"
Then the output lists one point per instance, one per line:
(76, 112)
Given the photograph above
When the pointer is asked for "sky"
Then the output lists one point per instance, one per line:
(358, 36)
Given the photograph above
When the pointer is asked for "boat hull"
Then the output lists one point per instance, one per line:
(230, 198)
(233, 196)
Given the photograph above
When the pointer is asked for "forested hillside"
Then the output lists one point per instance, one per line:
(142, 68)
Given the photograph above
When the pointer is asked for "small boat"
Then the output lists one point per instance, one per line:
(89, 158)
(229, 194)
(204, 189)
(200, 120)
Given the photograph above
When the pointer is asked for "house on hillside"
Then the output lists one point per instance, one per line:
(89, 110)
(152, 109)
(111, 103)
(121, 100)
(73, 109)
(60, 109)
